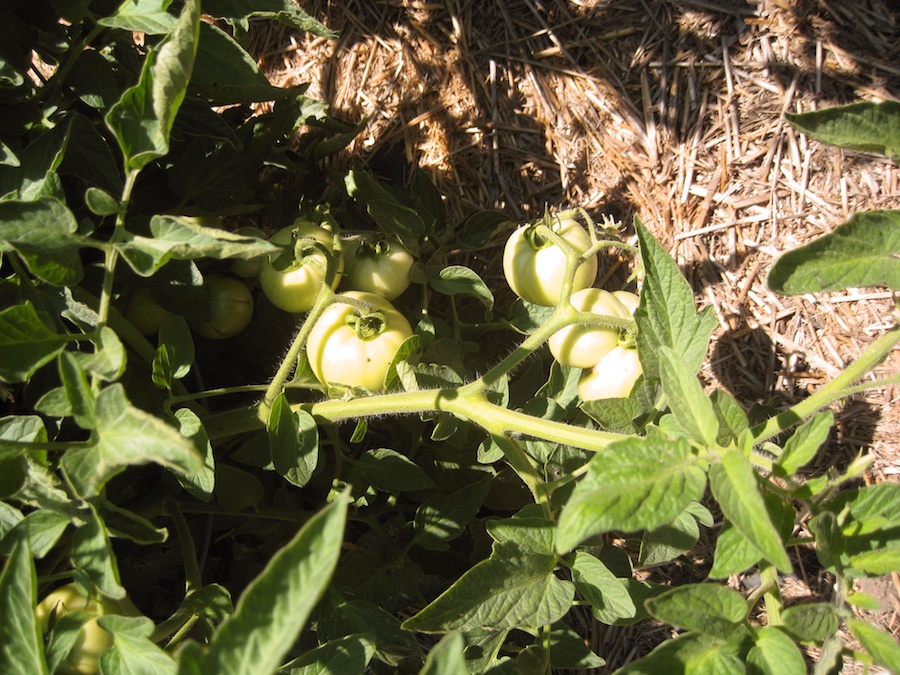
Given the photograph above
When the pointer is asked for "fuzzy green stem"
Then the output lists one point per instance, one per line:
(835, 389)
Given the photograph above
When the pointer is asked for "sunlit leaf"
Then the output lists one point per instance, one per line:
(21, 648)
(26, 343)
(864, 126)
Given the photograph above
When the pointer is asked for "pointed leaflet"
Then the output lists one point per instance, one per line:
(864, 126)
(293, 441)
(864, 251)
(350, 654)
(705, 608)
(803, 444)
(92, 553)
(447, 657)
(692, 408)
(126, 435)
(774, 653)
(45, 233)
(26, 343)
(142, 119)
(634, 484)
(21, 651)
(666, 314)
(275, 606)
(879, 643)
(606, 593)
(734, 485)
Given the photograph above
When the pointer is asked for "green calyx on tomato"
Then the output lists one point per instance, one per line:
(230, 307)
(535, 267)
(84, 656)
(292, 283)
(354, 347)
(381, 266)
(614, 376)
(582, 346)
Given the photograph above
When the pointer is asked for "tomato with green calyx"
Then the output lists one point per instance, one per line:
(353, 347)
(144, 313)
(613, 377)
(295, 288)
(535, 267)
(581, 346)
(84, 657)
(379, 266)
(247, 268)
(230, 307)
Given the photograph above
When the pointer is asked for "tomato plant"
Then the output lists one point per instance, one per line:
(535, 266)
(354, 344)
(583, 346)
(613, 376)
(293, 286)
(376, 265)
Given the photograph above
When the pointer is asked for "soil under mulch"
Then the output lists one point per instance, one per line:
(666, 110)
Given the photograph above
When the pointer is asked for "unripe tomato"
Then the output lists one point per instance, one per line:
(84, 658)
(230, 307)
(247, 268)
(582, 346)
(295, 288)
(355, 349)
(377, 266)
(629, 299)
(535, 267)
(144, 313)
(613, 377)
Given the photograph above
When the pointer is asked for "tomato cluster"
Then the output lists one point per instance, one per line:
(536, 268)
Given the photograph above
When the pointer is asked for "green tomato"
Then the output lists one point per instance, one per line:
(355, 349)
(583, 346)
(535, 267)
(230, 307)
(144, 313)
(294, 289)
(381, 267)
(84, 657)
(629, 299)
(613, 377)
(247, 268)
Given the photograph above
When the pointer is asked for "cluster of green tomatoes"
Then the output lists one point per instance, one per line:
(536, 268)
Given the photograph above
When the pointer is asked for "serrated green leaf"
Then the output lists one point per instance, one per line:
(126, 435)
(200, 483)
(350, 654)
(734, 485)
(512, 588)
(142, 119)
(864, 251)
(26, 343)
(774, 653)
(283, 11)
(388, 470)
(21, 648)
(92, 553)
(634, 484)
(78, 391)
(864, 126)
(142, 16)
(705, 608)
(691, 407)
(276, 605)
(608, 596)
(293, 442)
(460, 280)
(666, 316)
(732, 419)
(880, 644)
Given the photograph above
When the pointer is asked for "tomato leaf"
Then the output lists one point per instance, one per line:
(392, 643)
(390, 471)
(142, 16)
(606, 593)
(666, 316)
(568, 650)
(349, 654)
(142, 119)
(284, 11)
(811, 621)
(774, 653)
(705, 608)
(92, 553)
(634, 484)
(442, 518)
(863, 126)
(879, 643)
(801, 447)
(293, 442)
(276, 605)
(21, 647)
(734, 485)
(26, 343)
(202, 482)
(446, 657)
(864, 251)
(692, 408)
(78, 391)
(460, 280)
(189, 241)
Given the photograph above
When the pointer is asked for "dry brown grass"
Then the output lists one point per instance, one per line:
(669, 110)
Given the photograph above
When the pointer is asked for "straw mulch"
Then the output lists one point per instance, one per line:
(670, 110)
